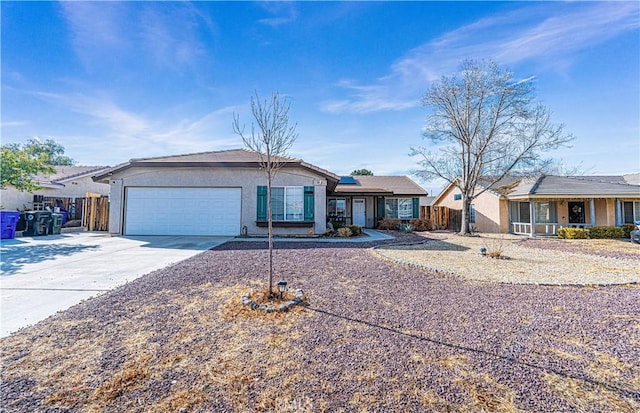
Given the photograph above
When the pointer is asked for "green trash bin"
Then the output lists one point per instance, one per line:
(37, 223)
(55, 225)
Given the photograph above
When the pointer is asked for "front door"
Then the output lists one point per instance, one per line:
(576, 212)
(359, 212)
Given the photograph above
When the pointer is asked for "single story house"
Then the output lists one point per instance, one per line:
(540, 205)
(68, 182)
(225, 193)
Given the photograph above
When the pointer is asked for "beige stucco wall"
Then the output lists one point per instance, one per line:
(245, 178)
(12, 199)
(492, 214)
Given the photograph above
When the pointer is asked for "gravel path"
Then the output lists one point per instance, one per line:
(549, 261)
(376, 336)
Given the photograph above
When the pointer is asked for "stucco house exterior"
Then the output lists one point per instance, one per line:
(365, 200)
(225, 193)
(540, 205)
(67, 182)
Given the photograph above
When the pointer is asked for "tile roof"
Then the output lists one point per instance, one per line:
(232, 157)
(553, 185)
(388, 185)
(66, 173)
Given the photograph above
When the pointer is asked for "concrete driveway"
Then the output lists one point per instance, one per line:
(43, 275)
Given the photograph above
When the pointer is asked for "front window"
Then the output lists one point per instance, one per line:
(472, 214)
(545, 212)
(524, 212)
(630, 212)
(337, 207)
(287, 203)
(401, 208)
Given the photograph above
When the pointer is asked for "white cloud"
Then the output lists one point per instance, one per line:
(132, 135)
(550, 35)
(103, 33)
(284, 13)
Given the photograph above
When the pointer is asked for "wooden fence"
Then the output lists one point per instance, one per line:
(442, 217)
(96, 212)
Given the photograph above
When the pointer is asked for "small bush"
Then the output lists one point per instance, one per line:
(388, 223)
(344, 232)
(627, 228)
(336, 225)
(404, 227)
(573, 233)
(606, 232)
(355, 229)
(421, 224)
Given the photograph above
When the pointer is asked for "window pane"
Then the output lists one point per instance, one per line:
(405, 208)
(277, 203)
(294, 206)
(472, 214)
(341, 207)
(636, 211)
(545, 212)
(391, 208)
(525, 212)
(331, 207)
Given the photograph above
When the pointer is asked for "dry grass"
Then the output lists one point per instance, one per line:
(581, 264)
(195, 347)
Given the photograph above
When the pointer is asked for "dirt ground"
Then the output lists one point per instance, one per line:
(375, 336)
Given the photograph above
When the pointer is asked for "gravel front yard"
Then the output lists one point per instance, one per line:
(376, 336)
(530, 261)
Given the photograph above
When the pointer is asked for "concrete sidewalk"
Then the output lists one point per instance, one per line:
(43, 275)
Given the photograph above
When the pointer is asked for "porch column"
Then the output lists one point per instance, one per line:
(592, 211)
(618, 212)
(532, 218)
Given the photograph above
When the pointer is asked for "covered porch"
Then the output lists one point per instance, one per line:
(544, 216)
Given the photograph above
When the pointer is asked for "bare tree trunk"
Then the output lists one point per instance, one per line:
(464, 221)
(270, 229)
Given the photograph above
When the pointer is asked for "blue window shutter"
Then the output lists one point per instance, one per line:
(416, 207)
(262, 203)
(308, 203)
(380, 208)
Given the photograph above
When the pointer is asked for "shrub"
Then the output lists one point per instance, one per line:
(606, 232)
(388, 223)
(573, 233)
(627, 228)
(404, 227)
(421, 224)
(355, 229)
(494, 246)
(344, 232)
(336, 225)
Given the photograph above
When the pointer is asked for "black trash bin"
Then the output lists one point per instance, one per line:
(55, 224)
(37, 223)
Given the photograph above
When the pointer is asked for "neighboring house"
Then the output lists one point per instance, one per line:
(225, 193)
(67, 182)
(365, 200)
(540, 205)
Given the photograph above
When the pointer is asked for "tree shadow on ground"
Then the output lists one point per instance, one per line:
(16, 256)
(510, 359)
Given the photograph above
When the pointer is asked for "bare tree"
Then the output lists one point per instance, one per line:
(485, 124)
(271, 136)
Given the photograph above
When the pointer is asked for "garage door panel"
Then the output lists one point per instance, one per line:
(182, 211)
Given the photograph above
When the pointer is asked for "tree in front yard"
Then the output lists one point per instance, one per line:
(485, 124)
(271, 136)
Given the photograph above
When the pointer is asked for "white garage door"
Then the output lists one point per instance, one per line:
(182, 211)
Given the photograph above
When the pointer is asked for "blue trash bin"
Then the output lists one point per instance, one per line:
(8, 221)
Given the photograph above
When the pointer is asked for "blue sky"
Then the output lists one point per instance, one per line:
(118, 80)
